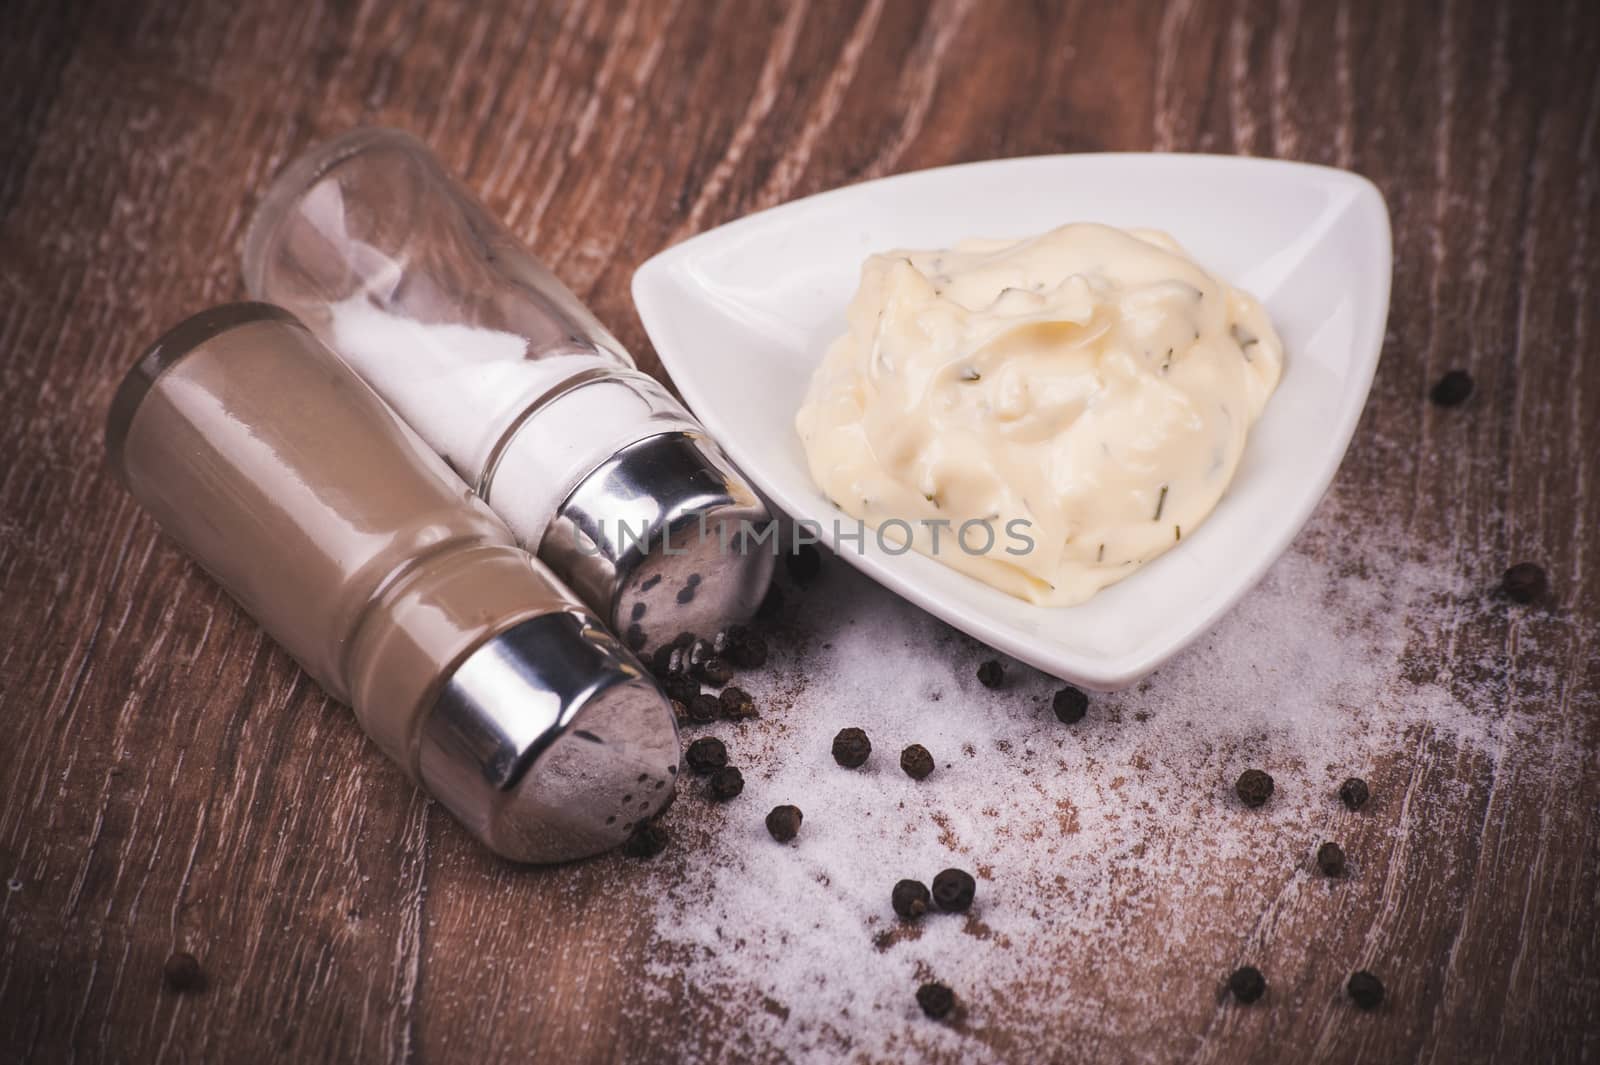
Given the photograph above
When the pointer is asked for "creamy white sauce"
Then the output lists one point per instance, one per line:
(1088, 390)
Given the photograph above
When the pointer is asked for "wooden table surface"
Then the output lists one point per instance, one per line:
(168, 779)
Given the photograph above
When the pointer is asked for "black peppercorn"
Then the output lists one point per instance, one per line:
(910, 899)
(1525, 582)
(1452, 389)
(953, 890)
(991, 674)
(916, 761)
(851, 748)
(1365, 990)
(736, 703)
(1254, 787)
(715, 672)
(1247, 983)
(661, 660)
(1070, 705)
(740, 646)
(726, 783)
(182, 973)
(679, 687)
(1354, 793)
(646, 841)
(784, 822)
(704, 708)
(705, 755)
(724, 642)
(803, 563)
(936, 1000)
(1330, 859)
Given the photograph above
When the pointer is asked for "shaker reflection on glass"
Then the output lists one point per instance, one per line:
(498, 366)
(376, 568)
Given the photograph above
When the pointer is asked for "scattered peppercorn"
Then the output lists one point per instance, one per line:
(991, 674)
(740, 646)
(1247, 983)
(910, 899)
(1354, 793)
(803, 563)
(182, 973)
(645, 841)
(705, 755)
(784, 822)
(726, 783)
(916, 761)
(1365, 989)
(661, 660)
(704, 708)
(1525, 582)
(724, 642)
(682, 688)
(736, 703)
(1330, 859)
(953, 890)
(715, 672)
(936, 1000)
(1070, 705)
(1254, 787)
(1452, 389)
(752, 653)
(851, 748)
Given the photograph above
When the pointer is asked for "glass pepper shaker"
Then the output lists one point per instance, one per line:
(353, 545)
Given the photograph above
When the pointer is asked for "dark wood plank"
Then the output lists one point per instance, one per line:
(168, 779)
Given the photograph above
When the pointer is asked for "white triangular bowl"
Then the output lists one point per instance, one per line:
(741, 315)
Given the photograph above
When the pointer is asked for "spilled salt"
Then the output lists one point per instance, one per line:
(1112, 858)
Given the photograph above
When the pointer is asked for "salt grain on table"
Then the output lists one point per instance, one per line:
(1118, 839)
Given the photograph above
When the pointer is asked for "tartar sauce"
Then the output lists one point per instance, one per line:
(1046, 414)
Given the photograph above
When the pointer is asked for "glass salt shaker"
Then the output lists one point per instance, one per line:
(594, 466)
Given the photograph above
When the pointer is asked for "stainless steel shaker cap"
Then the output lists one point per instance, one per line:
(548, 743)
(664, 537)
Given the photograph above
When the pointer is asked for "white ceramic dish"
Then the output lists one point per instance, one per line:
(741, 315)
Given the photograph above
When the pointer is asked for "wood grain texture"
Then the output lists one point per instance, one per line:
(169, 780)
